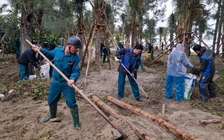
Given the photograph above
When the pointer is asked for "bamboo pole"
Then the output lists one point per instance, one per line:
(200, 39)
(105, 107)
(169, 44)
(90, 36)
(162, 54)
(87, 69)
(161, 122)
(114, 42)
(82, 94)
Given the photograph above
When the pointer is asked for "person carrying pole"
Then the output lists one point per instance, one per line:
(130, 58)
(66, 60)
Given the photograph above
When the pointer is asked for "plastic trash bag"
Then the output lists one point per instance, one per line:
(44, 70)
(190, 80)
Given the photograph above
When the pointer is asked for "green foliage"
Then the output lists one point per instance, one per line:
(117, 37)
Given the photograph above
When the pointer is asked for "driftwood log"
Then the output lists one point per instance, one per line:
(176, 131)
(210, 121)
(142, 135)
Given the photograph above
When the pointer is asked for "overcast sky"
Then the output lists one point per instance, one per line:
(2, 2)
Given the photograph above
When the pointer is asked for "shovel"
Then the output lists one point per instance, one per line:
(135, 81)
(123, 135)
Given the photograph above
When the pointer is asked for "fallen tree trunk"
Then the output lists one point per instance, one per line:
(210, 121)
(171, 128)
(142, 135)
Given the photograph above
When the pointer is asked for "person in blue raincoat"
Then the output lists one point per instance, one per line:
(130, 58)
(66, 60)
(207, 68)
(176, 69)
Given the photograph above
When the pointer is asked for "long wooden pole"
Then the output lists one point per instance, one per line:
(200, 39)
(87, 45)
(135, 81)
(169, 44)
(162, 54)
(91, 42)
(161, 122)
(114, 42)
(142, 135)
(82, 94)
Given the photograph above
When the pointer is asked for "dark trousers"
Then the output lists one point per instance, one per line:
(206, 87)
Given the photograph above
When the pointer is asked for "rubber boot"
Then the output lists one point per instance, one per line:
(75, 116)
(53, 112)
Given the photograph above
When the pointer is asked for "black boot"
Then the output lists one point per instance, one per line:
(75, 116)
(211, 90)
(53, 112)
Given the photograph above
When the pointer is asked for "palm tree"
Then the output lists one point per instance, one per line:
(99, 17)
(136, 6)
(123, 24)
(172, 26)
(187, 12)
(201, 24)
(221, 22)
(160, 32)
(150, 30)
(79, 7)
(217, 16)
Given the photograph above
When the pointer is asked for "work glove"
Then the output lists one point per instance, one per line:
(195, 71)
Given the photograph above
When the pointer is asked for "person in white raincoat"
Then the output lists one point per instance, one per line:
(176, 69)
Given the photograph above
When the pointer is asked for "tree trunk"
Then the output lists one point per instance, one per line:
(200, 36)
(216, 25)
(81, 36)
(223, 40)
(107, 45)
(123, 32)
(140, 32)
(25, 27)
(171, 128)
(187, 35)
(180, 29)
(97, 51)
(133, 31)
(220, 29)
(142, 135)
